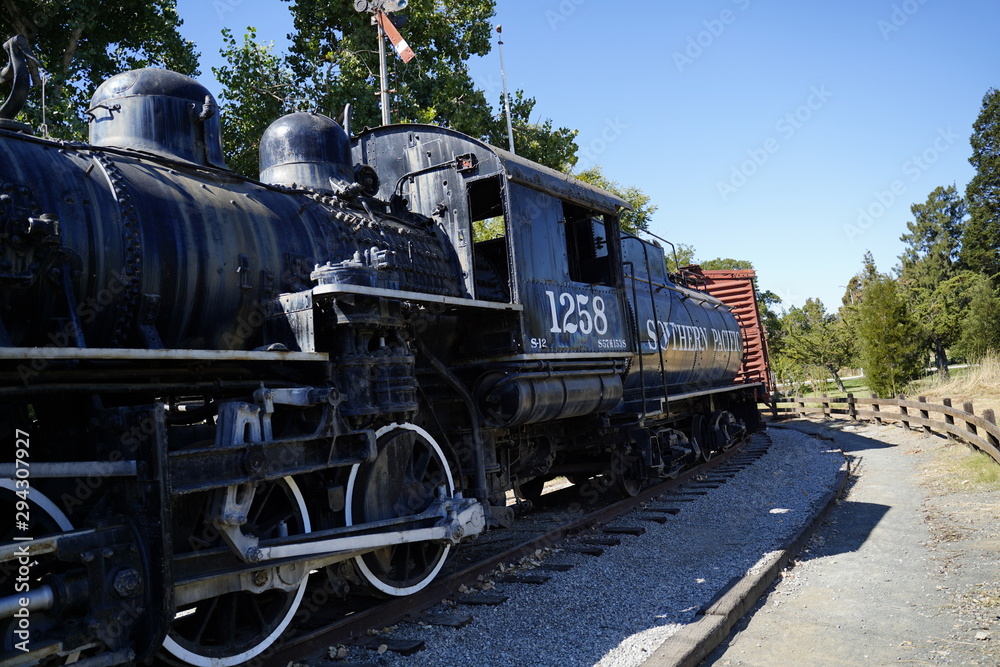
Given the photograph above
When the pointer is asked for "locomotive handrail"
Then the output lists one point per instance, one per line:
(133, 354)
(979, 431)
(399, 295)
(656, 317)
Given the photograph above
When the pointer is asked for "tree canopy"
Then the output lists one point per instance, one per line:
(81, 43)
(727, 264)
(930, 275)
(889, 346)
(981, 240)
(980, 329)
(334, 58)
(255, 87)
(814, 337)
(641, 215)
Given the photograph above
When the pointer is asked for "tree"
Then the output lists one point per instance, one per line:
(256, 89)
(771, 321)
(981, 239)
(727, 264)
(634, 221)
(536, 141)
(981, 325)
(814, 337)
(80, 43)
(334, 52)
(889, 345)
(929, 263)
(684, 257)
(933, 241)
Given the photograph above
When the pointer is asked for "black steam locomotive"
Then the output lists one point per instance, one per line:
(213, 389)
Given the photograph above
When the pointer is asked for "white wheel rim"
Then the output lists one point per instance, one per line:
(43, 502)
(178, 651)
(366, 572)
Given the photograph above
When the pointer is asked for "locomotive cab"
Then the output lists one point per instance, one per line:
(525, 235)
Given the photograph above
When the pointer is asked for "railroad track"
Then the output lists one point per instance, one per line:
(657, 502)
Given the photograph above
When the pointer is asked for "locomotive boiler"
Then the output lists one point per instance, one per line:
(220, 391)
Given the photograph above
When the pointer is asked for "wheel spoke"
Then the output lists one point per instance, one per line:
(403, 481)
(419, 465)
(230, 602)
(229, 629)
(406, 562)
(206, 619)
(261, 503)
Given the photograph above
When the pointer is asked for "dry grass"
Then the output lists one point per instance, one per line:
(957, 468)
(979, 384)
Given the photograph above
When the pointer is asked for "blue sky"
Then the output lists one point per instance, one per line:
(793, 135)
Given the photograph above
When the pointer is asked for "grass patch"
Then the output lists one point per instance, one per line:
(854, 386)
(958, 468)
(981, 380)
(979, 384)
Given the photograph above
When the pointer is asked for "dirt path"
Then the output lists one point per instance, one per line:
(905, 571)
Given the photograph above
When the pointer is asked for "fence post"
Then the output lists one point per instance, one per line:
(969, 426)
(826, 407)
(948, 419)
(852, 407)
(801, 405)
(991, 418)
(904, 411)
(924, 414)
(876, 410)
(774, 405)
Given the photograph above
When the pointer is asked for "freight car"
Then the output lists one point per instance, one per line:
(214, 389)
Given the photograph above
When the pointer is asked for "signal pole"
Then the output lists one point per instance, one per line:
(383, 73)
(506, 95)
(380, 10)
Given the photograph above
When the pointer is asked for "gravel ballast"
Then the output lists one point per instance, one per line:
(618, 608)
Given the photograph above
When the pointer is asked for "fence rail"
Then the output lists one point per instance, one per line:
(980, 431)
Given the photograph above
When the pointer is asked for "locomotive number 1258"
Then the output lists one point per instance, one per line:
(577, 312)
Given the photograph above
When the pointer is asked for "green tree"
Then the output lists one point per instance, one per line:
(929, 263)
(641, 215)
(684, 257)
(933, 241)
(727, 264)
(771, 321)
(889, 345)
(538, 141)
(256, 89)
(334, 53)
(814, 337)
(981, 239)
(80, 43)
(981, 325)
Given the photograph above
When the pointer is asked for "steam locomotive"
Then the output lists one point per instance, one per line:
(215, 389)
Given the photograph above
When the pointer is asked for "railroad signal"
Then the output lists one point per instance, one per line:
(380, 10)
(398, 43)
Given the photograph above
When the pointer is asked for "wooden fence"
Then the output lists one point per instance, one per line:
(980, 431)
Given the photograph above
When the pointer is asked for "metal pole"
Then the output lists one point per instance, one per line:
(506, 95)
(384, 75)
